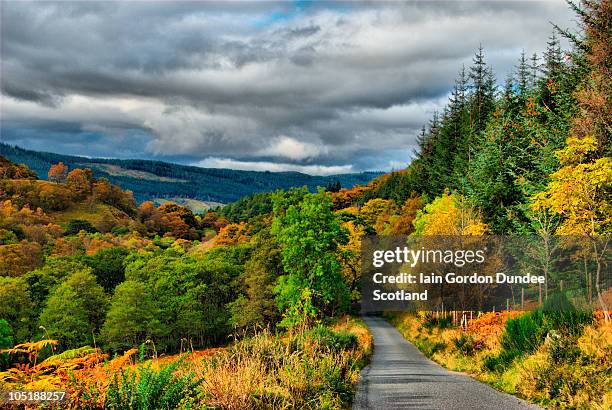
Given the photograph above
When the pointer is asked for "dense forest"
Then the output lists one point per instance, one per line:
(87, 274)
(149, 180)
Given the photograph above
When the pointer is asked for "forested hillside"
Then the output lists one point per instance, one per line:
(149, 180)
(247, 306)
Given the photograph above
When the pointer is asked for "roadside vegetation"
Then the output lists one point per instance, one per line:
(317, 368)
(555, 359)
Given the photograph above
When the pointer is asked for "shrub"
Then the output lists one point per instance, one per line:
(465, 344)
(428, 347)
(329, 339)
(522, 334)
(442, 322)
(525, 333)
(120, 230)
(299, 371)
(147, 388)
(561, 314)
(77, 225)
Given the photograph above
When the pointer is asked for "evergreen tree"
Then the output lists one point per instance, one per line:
(523, 76)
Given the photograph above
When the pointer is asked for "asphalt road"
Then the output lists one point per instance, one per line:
(401, 377)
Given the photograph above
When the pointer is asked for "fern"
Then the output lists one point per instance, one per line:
(68, 355)
(147, 388)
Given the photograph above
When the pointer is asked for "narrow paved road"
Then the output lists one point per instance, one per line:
(401, 377)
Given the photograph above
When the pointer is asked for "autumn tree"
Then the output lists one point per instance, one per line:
(178, 221)
(232, 234)
(580, 194)
(402, 224)
(80, 181)
(113, 195)
(58, 173)
(19, 258)
(350, 258)
(594, 93)
(448, 214)
(377, 212)
(9, 170)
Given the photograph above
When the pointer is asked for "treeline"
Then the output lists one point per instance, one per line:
(162, 273)
(497, 145)
(166, 180)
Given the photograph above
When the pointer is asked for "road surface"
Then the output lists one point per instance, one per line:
(401, 377)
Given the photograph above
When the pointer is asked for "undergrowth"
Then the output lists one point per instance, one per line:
(557, 357)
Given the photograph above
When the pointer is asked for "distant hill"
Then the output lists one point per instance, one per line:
(157, 180)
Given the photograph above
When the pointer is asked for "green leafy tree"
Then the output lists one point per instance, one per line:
(107, 266)
(77, 225)
(16, 307)
(75, 310)
(257, 305)
(132, 318)
(6, 341)
(310, 235)
(42, 280)
(189, 292)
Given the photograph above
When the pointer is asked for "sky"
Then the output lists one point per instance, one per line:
(316, 87)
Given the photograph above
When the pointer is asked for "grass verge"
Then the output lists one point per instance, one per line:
(554, 361)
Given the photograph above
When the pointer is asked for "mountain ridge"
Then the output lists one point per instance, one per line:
(154, 179)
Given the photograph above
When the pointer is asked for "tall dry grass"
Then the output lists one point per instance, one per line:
(318, 369)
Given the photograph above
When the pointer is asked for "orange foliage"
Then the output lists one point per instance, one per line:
(58, 173)
(232, 234)
(347, 197)
(214, 221)
(8, 170)
(80, 181)
(491, 323)
(169, 219)
(402, 223)
(17, 259)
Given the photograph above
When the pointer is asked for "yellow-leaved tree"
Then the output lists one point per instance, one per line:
(448, 214)
(579, 193)
(350, 258)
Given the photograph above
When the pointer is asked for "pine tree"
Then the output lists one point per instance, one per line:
(523, 75)
(553, 58)
(478, 75)
(535, 69)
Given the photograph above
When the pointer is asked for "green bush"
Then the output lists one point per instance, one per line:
(465, 344)
(561, 315)
(429, 348)
(147, 388)
(563, 349)
(335, 341)
(8, 237)
(77, 225)
(523, 334)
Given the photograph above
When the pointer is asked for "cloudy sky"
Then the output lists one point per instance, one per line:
(319, 87)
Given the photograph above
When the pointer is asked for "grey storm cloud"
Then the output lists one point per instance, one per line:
(323, 86)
